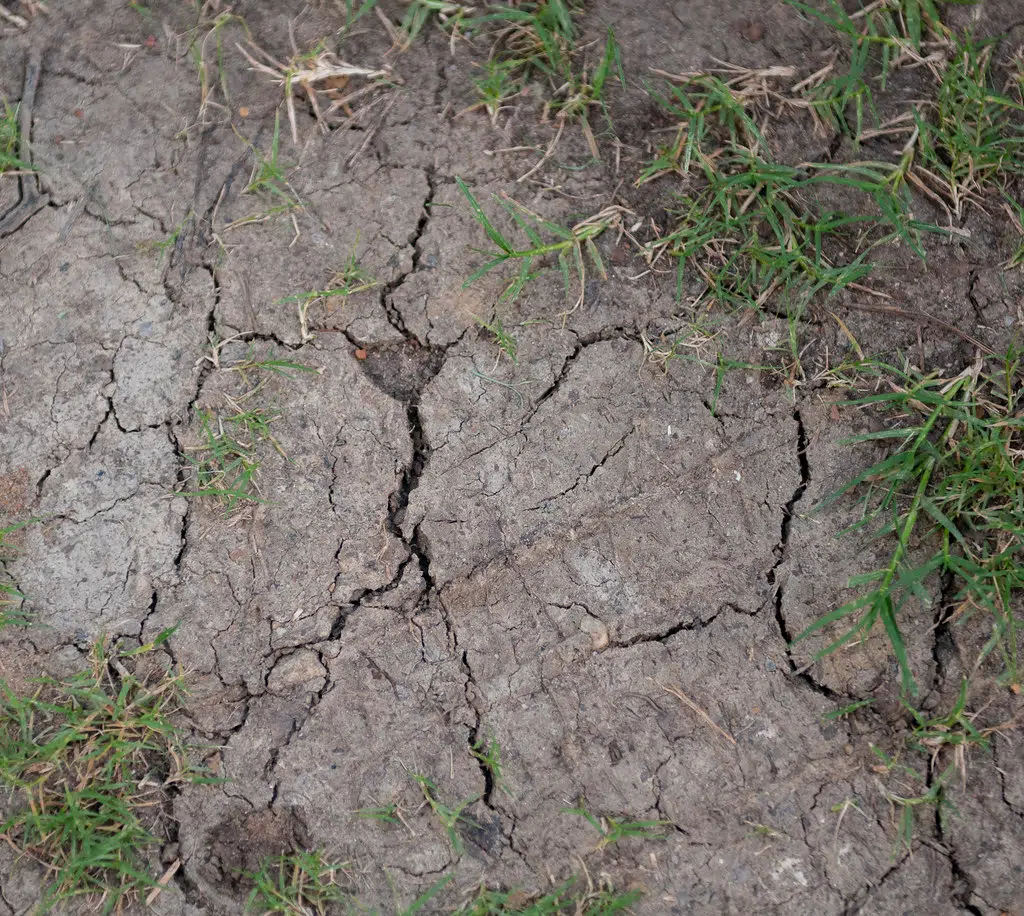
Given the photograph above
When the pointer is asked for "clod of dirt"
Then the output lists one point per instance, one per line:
(401, 370)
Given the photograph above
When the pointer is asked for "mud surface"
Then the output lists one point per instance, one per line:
(453, 548)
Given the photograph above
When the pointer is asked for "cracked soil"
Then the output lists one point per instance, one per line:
(453, 549)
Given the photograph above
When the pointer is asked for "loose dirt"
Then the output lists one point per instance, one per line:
(452, 548)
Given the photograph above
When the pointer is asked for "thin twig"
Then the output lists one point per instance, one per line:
(916, 315)
(678, 693)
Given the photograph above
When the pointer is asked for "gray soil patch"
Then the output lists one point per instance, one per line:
(449, 548)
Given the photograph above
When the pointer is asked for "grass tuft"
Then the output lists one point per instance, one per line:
(11, 598)
(954, 484)
(295, 884)
(572, 248)
(10, 141)
(971, 137)
(91, 761)
(576, 897)
(449, 817)
(613, 829)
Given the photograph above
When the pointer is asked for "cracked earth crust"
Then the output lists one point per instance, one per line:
(452, 550)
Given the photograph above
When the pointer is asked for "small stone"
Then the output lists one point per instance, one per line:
(301, 671)
(598, 632)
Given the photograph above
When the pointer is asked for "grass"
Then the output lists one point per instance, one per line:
(572, 248)
(10, 597)
(613, 829)
(507, 344)
(419, 12)
(91, 762)
(575, 897)
(912, 792)
(881, 37)
(10, 141)
(224, 461)
(449, 817)
(295, 884)
(268, 174)
(950, 499)
(224, 464)
(488, 752)
(348, 281)
(205, 69)
(953, 731)
(971, 138)
(752, 230)
(537, 42)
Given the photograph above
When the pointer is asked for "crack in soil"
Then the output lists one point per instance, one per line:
(681, 627)
(781, 549)
(388, 290)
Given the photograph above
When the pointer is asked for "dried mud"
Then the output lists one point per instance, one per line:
(452, 548)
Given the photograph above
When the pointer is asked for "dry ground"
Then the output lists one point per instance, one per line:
(454, 548)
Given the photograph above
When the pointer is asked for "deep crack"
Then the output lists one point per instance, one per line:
(781, 551)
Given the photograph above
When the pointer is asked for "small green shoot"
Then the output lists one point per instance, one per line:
(419, 12)
(295, 884)
(905, 803)
(285, 368)
(10, 141)
(268, 174)
(171, 242)
(354, 13)
(386, 814)
(953, 731)
(613, 829)
(507, 344)
(208, 83)
(500, 82)
(488, 752)
(848, 710)
(349, 281)
(575, 897)
(90, 760)
(10, 597)
(429, 894)
(449, 817)
(573, 248)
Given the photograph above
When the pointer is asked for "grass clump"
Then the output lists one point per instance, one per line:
(91, 762)
(953, 484)
(10, 597)
(10, 141)
(348, 281)
(576, 897)
(295, 884)
(881, 36)
(751, 228)
(537, 42)
(450, 817)
(613, 829)
(419, 12)
(572, 248)
(224, 459)
(225, 462)
(972, 137)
